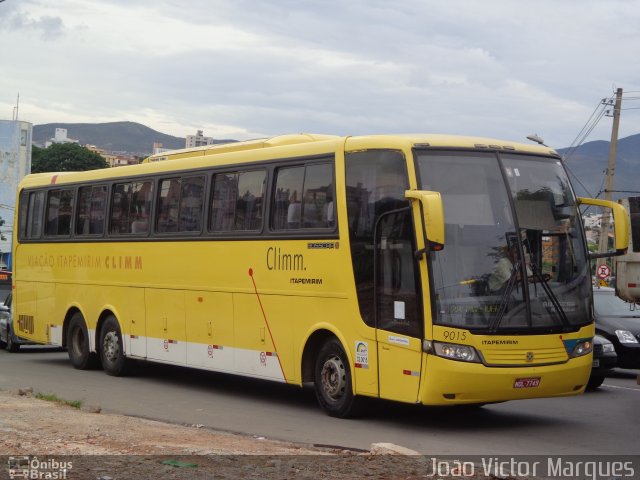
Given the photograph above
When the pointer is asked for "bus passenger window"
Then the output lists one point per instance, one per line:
(304, 198)
(130, 208)
(168, 206)
(223, 202)
(318, 196)
(59, 207)
(30, 214)
(92, 202)
(288, 199)
(191, 203)
(237, 200)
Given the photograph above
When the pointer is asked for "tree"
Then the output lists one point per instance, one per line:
(65, 157)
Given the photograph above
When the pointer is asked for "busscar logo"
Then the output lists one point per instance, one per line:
(323, 245)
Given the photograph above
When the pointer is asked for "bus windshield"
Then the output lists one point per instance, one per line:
(514, 258)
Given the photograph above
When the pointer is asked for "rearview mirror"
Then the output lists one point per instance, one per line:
(621, 224)
(432, 215)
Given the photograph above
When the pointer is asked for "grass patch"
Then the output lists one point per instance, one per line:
(50, 397)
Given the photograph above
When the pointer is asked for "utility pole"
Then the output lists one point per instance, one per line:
(611, 168)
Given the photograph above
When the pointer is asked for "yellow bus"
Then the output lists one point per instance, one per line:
(428, 269)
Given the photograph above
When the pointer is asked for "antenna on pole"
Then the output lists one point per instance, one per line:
(15, 109)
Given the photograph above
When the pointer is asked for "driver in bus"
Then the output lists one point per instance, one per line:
(504, 269)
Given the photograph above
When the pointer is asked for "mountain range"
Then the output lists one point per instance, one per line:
(587, 164)
(128, 137)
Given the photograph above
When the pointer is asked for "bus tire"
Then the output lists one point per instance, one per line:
(111, 348)
(78, 347)
(332, 381)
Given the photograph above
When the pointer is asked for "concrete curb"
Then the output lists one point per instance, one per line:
(390, 449)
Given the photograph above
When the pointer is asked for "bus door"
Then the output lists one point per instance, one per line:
(398, 312)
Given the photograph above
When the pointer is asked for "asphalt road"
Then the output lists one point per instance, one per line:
(606, 421)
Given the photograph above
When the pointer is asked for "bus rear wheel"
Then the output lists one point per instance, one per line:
(78, 347)
(332, 381)
(111, 348)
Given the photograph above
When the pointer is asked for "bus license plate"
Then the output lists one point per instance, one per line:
(532, 382)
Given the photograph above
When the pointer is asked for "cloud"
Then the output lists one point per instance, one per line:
(249, 68)
(49, 27)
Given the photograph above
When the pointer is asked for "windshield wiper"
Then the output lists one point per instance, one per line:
(552, 296)
(504, 300)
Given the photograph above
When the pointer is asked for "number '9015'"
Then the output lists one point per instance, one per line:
(455, 335)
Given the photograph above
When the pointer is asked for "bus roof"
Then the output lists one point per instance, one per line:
(283, 146)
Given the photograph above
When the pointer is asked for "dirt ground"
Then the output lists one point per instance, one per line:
(54, 439)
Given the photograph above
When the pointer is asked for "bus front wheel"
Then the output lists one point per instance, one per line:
(333, 381)
(111, 349)
(78, 347)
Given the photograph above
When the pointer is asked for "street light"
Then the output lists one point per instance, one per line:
(535, 138)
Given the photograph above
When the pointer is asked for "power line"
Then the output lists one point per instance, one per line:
(598, 105)
(577, 179)
(583, 135)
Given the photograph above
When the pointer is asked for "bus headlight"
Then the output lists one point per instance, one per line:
(626, 336)
(582, 348)
(452, 351)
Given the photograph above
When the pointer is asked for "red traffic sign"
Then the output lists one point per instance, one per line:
(603, 271)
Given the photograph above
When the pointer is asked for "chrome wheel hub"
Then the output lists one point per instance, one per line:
(111, 347)
(333, 377)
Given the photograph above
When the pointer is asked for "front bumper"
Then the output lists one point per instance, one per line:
(449, 382)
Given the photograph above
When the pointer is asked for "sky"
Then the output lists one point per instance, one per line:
(245, 69)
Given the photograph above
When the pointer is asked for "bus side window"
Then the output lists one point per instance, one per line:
(30, 215)
(237, 201)
(191, 203)
(168, 205)
(130, 208)
(248, 209)
(287, 211)
(59, 208)
(318, 193)
(92, 203)
(303, 197)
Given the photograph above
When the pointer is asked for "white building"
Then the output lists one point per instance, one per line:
(15, 163)
(158, 148)
(60, 137)
(198, 140)
(592, 220)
